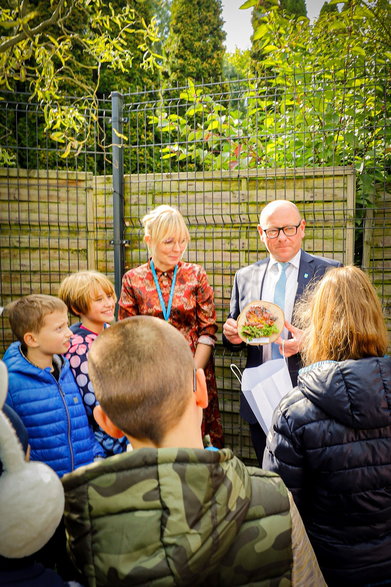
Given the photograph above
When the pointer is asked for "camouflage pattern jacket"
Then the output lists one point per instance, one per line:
(171, 516)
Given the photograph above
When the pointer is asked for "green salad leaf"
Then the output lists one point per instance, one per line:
(251, 332)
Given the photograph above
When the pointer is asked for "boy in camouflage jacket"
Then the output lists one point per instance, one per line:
(171, 512)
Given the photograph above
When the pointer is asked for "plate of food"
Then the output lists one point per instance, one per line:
(260, 322)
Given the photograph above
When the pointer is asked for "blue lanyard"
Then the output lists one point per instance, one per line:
(166, 311)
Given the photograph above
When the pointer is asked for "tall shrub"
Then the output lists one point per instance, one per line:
(194, 48)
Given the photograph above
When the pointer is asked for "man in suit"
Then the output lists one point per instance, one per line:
(281, 229)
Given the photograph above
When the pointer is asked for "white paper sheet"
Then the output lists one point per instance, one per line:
(263, 387)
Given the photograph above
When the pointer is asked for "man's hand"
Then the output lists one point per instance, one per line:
(291, 345)
(230, 330)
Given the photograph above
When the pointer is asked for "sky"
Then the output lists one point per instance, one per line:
(238, 22)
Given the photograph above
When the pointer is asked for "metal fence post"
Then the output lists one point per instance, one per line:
(118, 188)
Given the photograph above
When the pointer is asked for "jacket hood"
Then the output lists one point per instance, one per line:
(176, 510)
(356, 393)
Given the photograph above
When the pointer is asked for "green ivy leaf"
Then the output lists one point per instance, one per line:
(248, 4)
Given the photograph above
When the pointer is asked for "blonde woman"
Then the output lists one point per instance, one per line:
(331, 436)
(179, 292)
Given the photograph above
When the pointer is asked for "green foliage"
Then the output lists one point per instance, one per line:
(322, 102)
(194, 48)
(261, 8)
(136, 77)
(62, 48)
(294, 7)
(161, 9)
(328, 7)
(353, 49)
(208, 134)
(237, 65)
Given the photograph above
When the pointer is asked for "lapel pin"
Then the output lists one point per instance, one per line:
(305, 275)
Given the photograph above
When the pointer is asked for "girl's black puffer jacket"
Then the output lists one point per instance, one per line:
(331, 443)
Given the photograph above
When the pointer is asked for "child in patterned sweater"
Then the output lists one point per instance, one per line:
(90, 295)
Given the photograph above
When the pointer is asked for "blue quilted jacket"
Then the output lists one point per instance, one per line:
(52, 411)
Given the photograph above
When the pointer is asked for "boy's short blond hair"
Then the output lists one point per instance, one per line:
(28, 313)
(78, 289)
(142, 372)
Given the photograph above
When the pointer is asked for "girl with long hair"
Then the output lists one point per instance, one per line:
(331, 435)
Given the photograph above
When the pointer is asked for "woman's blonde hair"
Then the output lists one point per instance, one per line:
(162, 222)
(344, 318)
(79, 289)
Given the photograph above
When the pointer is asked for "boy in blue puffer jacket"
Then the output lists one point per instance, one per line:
(42, 389)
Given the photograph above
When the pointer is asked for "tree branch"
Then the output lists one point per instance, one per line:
(27, 32)
(381, 22)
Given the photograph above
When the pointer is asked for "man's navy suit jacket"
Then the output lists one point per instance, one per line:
(248, 286)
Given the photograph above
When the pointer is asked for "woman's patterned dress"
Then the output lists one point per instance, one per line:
(192, 313)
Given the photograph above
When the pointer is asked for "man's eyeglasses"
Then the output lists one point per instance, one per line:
(289, 230)
(194, 379)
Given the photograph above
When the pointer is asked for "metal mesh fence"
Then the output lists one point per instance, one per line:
(218, 152)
